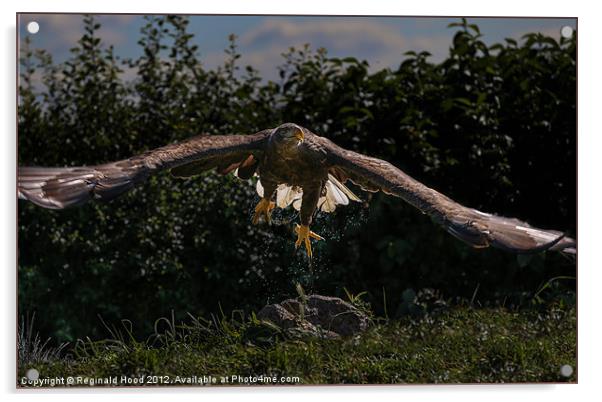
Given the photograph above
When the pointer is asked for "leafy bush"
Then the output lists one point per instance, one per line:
(492, 127)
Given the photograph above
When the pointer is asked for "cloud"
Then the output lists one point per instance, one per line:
(381, 44)
(60, 32)
(345, 35)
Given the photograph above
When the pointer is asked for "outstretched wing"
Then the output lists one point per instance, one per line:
(474, 227)
(59, 188)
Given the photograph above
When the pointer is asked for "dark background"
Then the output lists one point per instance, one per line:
(492, 127)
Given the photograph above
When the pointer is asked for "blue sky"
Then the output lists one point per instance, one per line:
(261, 39)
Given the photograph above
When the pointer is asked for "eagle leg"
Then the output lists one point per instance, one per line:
(303, 236)
(311, 195)
(263, 208)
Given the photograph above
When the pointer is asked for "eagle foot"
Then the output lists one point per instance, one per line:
(303, 236)
(263, 208)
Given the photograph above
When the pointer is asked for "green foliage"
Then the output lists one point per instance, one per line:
(492, 127)
(458, 345)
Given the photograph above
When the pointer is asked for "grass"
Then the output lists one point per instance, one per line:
(457, 345)
(31, 347)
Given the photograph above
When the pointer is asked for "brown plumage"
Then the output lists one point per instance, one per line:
(294, 165)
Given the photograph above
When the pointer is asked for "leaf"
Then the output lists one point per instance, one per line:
(463, 101)
(347, 109)
(511, 41)
(475, 28)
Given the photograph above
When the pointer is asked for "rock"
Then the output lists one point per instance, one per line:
(277, 314)
(337, 315)
(322, 316)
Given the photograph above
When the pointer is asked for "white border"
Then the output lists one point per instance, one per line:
(589, 189)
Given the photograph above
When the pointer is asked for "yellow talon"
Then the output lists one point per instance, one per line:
(303, 236)
(263, 208)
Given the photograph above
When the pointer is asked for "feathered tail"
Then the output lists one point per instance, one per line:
(335, 193)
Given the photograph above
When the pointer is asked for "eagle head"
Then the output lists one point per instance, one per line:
(289, 133)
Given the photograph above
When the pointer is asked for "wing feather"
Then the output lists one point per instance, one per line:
(474, 227)
(59, 188)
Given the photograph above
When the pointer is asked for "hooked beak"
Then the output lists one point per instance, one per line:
(299, 135)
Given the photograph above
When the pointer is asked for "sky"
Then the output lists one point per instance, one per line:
(262, 39)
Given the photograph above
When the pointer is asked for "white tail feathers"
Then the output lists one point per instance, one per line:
(285, 195)
(343, 188)
(336, 193)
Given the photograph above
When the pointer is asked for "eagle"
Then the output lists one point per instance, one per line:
(294, 166)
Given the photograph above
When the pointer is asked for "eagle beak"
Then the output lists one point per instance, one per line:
(299, 135)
